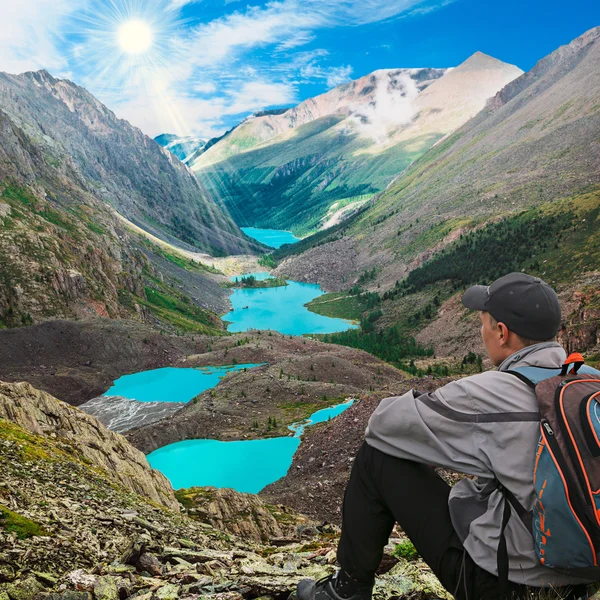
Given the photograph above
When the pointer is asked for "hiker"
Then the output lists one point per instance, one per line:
(487, 426)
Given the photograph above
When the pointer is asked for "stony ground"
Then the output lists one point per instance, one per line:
(78, 360)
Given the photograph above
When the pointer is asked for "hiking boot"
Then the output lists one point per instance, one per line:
(334, 587)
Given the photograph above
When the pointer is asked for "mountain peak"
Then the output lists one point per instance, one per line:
(480, 60)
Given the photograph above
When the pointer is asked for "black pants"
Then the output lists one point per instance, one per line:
(384, 490)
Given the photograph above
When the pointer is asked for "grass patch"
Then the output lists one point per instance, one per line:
(97, 229)
(56, 219)
(20, 195)
(31, 447)
(340, 305)
(252, 282)
(24, 528)
(180, 312)
(406, 550)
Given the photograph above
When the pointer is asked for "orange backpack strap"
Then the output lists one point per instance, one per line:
(574, 359)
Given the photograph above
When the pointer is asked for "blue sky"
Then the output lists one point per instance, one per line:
(212, 62)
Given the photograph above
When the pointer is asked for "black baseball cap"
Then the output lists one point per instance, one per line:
(527, 305)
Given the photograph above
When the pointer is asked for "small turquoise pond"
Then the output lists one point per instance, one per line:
(281, 309)
(245, 466)
(275, 238)
(170, 384)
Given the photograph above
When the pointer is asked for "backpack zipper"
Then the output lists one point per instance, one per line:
(588, 431)
(579, 512)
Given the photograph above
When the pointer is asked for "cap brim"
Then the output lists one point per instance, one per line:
(475, 297)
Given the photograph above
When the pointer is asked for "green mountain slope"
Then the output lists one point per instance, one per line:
(516, 188)
(299, 170)
(535, 142)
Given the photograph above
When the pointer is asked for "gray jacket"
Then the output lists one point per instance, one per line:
(486, 425)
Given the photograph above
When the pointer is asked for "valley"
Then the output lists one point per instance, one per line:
(195, 330)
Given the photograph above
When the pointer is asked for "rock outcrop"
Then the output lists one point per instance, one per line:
(244, 515)
(41, 414)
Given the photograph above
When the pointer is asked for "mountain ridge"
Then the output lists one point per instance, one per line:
(536, 147)
(318, 162)
(143, 182)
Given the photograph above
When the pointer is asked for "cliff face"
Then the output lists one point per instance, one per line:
(41, 414)
(118, 164)
(64, 252)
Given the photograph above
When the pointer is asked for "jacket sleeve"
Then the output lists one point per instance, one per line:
(438, 429)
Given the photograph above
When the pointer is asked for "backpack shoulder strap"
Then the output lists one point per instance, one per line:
(533, 375)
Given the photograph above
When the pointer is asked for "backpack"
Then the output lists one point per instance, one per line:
(565, 520)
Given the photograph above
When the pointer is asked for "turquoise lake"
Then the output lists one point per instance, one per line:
(275, 238)
(245, 466)
(280, 309)
(170, 384)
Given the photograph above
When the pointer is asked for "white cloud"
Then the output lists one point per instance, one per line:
(28, 39)
(338, 75)
(256, 95)
(332, 76)
(197, 75)
(393, 105)
(218, 40)
(204, 88)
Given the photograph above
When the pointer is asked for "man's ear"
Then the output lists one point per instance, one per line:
(503, 333)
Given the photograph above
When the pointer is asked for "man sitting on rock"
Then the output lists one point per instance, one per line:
(487, 426)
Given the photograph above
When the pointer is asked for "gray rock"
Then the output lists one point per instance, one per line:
(7, 573)
(168, 592)
(27, 589)
(106, 588)
(150, 563)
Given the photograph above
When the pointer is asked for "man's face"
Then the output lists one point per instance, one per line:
(492, 338)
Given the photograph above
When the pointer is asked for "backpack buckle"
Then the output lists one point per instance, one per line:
(575, 359)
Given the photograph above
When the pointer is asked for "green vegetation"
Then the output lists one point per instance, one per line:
(249, 281)
(178, 259)
(340, 305)
(388, 344)
(293, 182)
(23, 528)
(180, 312)
(406, 550)
(550, 240)
(268, 261)
(97, 229)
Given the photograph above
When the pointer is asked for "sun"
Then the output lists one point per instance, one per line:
(135, 37)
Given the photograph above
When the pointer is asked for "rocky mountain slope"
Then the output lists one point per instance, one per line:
(312, 164)
(41, 414)
(78, 360)
(534, 143)
(184, 148)
(117, 162)
(66, 166)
